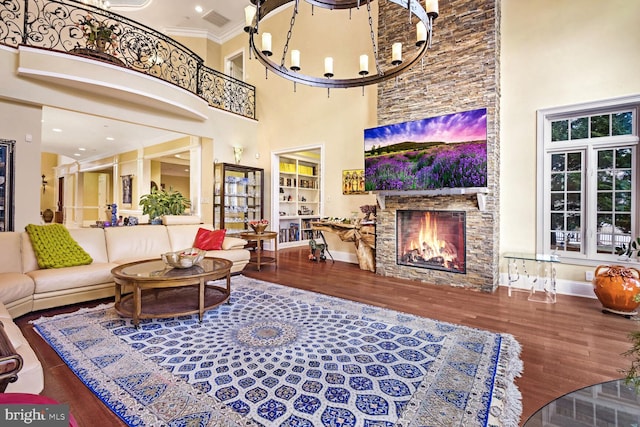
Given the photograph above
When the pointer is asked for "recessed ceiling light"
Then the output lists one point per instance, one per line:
(199, 9)
(56, 130)
(77, 154)
(110, 138)
(82, 149)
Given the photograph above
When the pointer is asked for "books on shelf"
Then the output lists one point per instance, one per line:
(306, 223)
(311, 234)
(288, 167)
(306, 170)
(291, 234)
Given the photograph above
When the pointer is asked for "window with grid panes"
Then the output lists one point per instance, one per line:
(589, 173)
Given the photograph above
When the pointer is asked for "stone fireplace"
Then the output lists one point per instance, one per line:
(479, 239)
(431, 239)
(459, 73)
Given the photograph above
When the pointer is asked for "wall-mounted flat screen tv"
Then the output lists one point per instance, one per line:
(438, 152)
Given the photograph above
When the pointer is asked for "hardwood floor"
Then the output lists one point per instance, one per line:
(565, 346)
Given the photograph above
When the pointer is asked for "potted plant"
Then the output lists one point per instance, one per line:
(160, 202)
(100, 35)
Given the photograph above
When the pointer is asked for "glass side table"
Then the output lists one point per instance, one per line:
(538, 273)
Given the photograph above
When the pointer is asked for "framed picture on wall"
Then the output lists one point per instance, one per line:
(127, 189)
(353, 181)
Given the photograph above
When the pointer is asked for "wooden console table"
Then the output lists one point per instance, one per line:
(364, 237)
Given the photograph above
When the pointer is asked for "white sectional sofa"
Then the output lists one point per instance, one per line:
(24, 287)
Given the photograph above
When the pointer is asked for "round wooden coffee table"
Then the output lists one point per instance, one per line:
(174, 291)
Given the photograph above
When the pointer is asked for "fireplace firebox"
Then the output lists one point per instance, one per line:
(431, 239)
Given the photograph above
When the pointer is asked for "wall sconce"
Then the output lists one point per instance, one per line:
(237, 153)
(44, 184)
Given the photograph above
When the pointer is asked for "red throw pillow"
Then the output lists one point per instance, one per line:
(209, 240)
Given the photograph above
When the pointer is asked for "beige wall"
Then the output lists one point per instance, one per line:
(307, 117)
(47, 197)
(195, 42)
(16, 122)
(156, 176)
(555, 53)
(206, 48)
(91, 209)
(177, 183)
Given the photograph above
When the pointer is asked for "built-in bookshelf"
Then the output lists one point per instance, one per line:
(298, 199)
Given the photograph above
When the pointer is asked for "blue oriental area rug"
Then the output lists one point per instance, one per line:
(278, 356)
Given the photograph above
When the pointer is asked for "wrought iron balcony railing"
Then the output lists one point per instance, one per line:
(70, 26)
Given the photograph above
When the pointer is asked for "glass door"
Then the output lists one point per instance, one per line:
(238, 196)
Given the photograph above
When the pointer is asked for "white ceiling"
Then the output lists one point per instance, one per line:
(81, 136)
(173, 16)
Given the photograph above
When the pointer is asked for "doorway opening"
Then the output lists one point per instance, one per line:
(234, 65)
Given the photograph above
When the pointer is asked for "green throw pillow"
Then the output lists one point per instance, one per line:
(55, 248)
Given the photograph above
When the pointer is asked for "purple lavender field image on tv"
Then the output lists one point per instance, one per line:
(438, 152)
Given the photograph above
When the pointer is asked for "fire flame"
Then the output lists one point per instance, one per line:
(428, 246)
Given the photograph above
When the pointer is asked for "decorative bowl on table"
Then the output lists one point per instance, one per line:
(259, 226)
(185, 258)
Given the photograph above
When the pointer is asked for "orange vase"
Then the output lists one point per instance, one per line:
(616, 287)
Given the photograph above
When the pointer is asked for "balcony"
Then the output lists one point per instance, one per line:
(60, 27)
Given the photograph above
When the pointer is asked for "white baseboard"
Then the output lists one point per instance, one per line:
(344, 257)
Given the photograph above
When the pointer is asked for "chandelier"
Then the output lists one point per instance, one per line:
(419, 21)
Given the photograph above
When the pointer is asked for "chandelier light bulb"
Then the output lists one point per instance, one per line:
(396, 53)
(295, 60)
(364, 65)
(249, 14)
(266, 44)
(328, 67)
(431, 6)
(421, 34)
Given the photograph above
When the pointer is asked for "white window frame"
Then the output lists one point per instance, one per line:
(545, 147)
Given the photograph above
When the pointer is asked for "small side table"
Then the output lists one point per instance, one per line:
(258, 259)
(541, 283)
